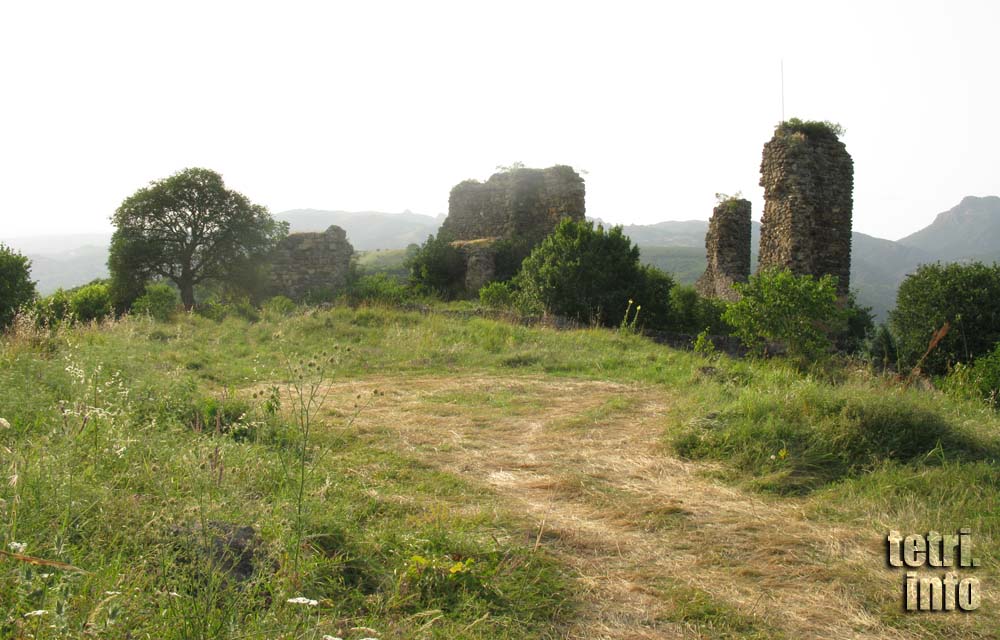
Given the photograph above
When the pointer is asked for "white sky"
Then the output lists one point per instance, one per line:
(386, 105)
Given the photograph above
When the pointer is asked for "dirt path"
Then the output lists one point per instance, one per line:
(660, 550)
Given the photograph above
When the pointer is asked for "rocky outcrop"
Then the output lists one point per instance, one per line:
(808, 180)
(727, 246)
(311, 263)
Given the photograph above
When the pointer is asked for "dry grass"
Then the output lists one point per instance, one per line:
(582, 461)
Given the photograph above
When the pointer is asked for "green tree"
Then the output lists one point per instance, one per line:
(800, 312)
(438, 268)
(188, 228)
(967, 296)
(589, 274)
(16, 286)
(91, 302)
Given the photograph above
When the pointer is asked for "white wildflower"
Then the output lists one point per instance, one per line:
(301, 600)
(112, 593)
(17, 547)
(35, 614)
(4, 424)
(331, 638)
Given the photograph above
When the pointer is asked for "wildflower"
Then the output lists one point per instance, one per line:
(17, 547)
(774, 457)
(301, 600)
(331, 638)
(35, 614)
(4, 424)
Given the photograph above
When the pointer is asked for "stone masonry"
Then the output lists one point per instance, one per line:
(808, 180)
(305, 263)
(727, 245)
(523, 204)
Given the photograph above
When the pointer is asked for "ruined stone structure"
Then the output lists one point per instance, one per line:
(306, 263)
(727, 245)
(521, 205)
(808, 180)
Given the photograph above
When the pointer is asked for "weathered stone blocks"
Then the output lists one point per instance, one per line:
(808, 180)
(727, 245)
(305, 263)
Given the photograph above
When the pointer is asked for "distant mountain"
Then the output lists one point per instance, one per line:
(366, 230)
(968, 231)
(64, 261)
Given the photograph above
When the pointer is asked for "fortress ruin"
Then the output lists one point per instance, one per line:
(311, 263)
(727, 245)
(808, 180)
(520, 205)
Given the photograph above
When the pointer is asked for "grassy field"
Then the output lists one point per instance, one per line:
(411, 475)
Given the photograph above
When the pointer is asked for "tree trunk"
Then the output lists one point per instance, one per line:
(187, 294)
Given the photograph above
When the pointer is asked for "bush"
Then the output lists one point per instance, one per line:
(497, 295)
(53, 309)
(811, 128)
(280, 305)
(438, 268)
(979, 380)
(654, 293)
(777, 306)
(692, 313)
(159, 301)
(380, 288)
(967, 296)
(91, 302)
(584, 273)
(16, 287)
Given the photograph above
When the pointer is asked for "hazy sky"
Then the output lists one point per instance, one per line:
(385, 106)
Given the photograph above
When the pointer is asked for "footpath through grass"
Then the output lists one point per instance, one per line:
(135, 447)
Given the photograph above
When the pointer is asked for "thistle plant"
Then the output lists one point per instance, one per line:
(630, 325)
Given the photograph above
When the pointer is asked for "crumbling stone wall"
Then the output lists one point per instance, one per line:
(727, 247)
(808, 180)
(521, 204)
(306, 263)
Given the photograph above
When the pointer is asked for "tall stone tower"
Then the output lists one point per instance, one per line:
(727, 248)
(808, 180)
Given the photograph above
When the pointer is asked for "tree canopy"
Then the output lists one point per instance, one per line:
(187, 228)
(16, 287)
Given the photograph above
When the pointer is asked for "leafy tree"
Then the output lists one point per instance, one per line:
(438, 268)
(16, 287)
(777, 306)
(188, 228)
(587, 273)
(967, 296)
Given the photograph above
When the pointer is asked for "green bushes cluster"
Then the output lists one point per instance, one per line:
(437, 269)
(159, 301)
(966, 296)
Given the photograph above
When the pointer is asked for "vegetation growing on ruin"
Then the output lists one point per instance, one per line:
(811, 128)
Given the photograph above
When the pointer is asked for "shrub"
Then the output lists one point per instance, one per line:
(54, 308)
(280, 305)
(967, 296)
(159, 301)
(16, 287)
(881, 349)
(584, 272)
(690, 312)
(381, 288)
(497, 295)
(980, 380)
(91, 302)
(811, 128)
(438, 268)
(654, 291)
(777, 306)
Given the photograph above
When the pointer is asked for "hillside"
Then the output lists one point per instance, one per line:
(371, 472)
(968, 231)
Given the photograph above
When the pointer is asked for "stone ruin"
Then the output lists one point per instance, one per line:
(808, 180)
(521, 205)
(305, 263)
(727, 245)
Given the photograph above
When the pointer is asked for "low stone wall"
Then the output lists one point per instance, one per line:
(317, 263)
